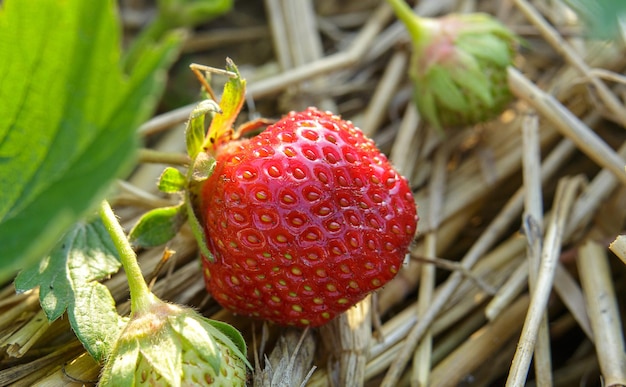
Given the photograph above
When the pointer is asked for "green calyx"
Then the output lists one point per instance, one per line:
(203, 144)
(458, 66)
(160, 225)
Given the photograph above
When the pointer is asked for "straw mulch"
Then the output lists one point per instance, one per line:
(511, 264)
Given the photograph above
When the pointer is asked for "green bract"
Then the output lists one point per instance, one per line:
(458, 66)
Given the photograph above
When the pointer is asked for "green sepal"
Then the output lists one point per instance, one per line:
(428, 108)
(158, 226)
(445, 90)
(196, 335)
(195, 131)
(164, 354)
(488, 48)
(197, 229)
(235, 338)
(471, 80)
(120, 367)
(202, 168)
(231, 103)
(172, 180)
(158, 339)
(218, 330)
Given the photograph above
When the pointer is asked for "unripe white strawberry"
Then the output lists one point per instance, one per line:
(171, 345)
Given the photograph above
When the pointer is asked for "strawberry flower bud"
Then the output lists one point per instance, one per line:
(458, 66)
(171, 345)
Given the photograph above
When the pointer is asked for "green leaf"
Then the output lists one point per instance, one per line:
(172, 180)
(158, 226)
(68, 280)
(603, 17)
(68, 117)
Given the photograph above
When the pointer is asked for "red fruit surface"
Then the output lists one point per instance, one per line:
(304, 220)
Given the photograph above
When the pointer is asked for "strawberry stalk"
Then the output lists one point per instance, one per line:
(411, 21)
(141, 299)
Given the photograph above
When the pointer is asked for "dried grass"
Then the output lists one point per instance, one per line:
(525, 206)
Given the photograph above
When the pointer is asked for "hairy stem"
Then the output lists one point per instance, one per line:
(140, 296)
(412, 22)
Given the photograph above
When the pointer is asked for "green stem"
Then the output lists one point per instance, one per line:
(140, 296)
(411, 20)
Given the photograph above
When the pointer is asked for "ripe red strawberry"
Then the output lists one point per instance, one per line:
(304, 220)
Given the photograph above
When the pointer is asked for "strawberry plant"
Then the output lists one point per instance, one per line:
(68, 126)
(297, 219)
(326, 221)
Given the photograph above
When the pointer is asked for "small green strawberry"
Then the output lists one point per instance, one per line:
(303, 220)
(171, 345)
(458, 65)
